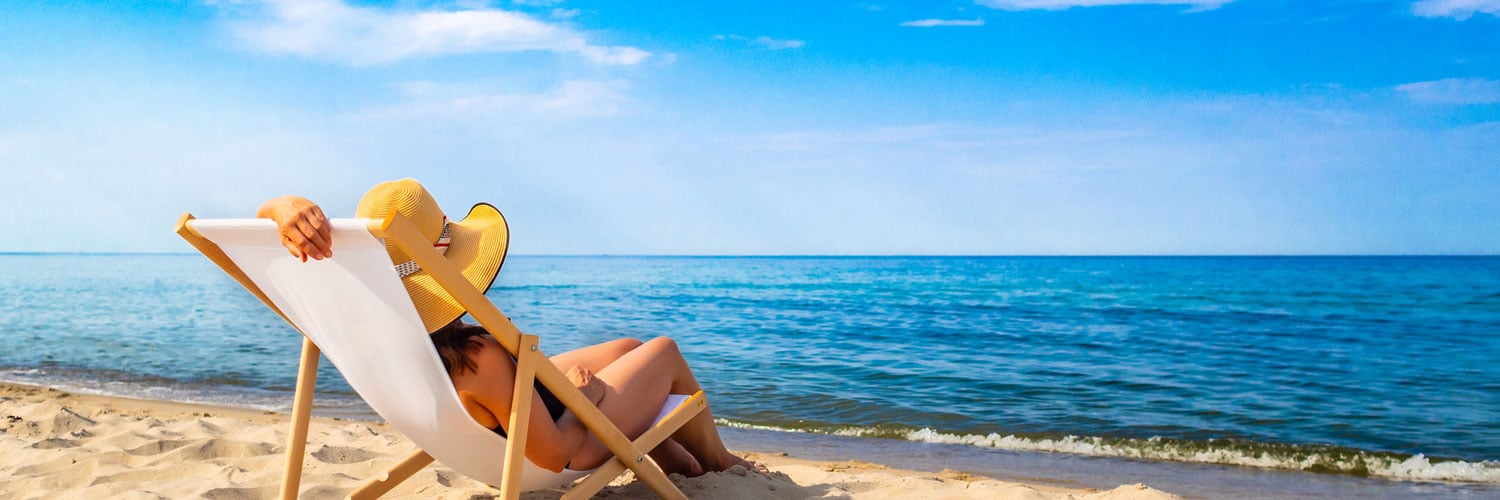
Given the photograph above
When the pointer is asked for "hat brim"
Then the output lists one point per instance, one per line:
(477, 248)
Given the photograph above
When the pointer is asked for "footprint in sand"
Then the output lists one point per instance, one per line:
(68, 421)
(213, 449)
(342, 455)
(54, 443)
(248, 493)
(157, 447)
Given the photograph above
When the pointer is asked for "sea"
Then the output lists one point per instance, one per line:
(1216, 377)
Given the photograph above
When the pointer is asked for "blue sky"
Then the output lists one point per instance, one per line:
(989, 127)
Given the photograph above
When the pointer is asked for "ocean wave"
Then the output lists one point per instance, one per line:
(1308, 458)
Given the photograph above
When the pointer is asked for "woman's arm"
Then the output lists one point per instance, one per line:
(304, 228)
(549, 444)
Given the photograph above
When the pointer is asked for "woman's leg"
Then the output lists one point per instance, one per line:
(670, 455)
(595, 357)
(674, 459)
(637, 385)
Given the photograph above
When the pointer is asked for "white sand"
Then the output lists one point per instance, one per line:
(55, 444)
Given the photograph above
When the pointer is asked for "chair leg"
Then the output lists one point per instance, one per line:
(649, 440)
(296, 445)
(527, 358)
(590, 485)
(393, 477)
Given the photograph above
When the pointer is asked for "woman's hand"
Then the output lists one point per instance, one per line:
(304, 229)
(591, 387)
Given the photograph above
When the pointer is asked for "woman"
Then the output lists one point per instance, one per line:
(627, 379)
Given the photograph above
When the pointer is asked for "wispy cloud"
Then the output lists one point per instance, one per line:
(329, 30)
(932, 139)
(774, 44)
(929, 23)
(764, 41)
(571, 99)
(1197, 5)
(1457, 9)
(1454, 91)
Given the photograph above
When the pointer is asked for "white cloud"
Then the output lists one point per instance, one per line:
(774, 44)
(929, 23)
(764, 41)
(1454, 91)
(1197, 5)
(330, 30)
(571, 99)
(1457, 9)
(935, 140)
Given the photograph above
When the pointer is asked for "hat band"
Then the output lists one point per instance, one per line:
(410, 267)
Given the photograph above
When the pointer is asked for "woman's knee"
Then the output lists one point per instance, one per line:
(663, 345)
(626, 344)
(619, 347)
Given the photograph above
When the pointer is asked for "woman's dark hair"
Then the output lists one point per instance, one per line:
(455, 342)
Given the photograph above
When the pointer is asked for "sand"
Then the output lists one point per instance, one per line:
(55, 444)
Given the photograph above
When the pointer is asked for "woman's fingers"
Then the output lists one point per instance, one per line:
(293, 248)
(305, 231)
(294, 236)
(325, 230)
(314, 233)
(584, 380)
(575, 375)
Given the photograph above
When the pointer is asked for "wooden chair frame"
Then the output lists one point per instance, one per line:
(531, 364)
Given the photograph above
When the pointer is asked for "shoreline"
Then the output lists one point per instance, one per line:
(1067, 471)
(972, 454)
(58, 443)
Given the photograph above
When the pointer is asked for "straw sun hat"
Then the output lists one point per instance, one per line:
(475, 245)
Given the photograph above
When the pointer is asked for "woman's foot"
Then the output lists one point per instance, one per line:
(674, 459)
(729, 460)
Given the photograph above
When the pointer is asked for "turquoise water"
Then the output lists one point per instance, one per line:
(1363, 366)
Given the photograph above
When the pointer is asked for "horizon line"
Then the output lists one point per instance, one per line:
(837, 255)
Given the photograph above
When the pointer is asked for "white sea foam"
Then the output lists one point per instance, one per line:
(1419, 468)
(1285, 457)
(1416, 467)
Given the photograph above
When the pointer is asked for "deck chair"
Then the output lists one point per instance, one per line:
(353, 309)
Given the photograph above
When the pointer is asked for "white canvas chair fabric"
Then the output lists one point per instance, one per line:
(354, 307)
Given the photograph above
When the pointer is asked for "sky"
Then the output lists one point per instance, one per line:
(992, 127)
